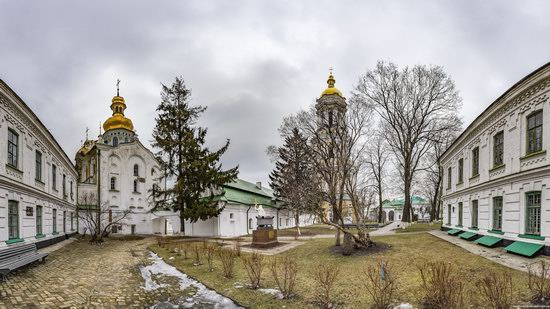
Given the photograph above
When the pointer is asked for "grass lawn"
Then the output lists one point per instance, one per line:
(420, 227)
(406, 252)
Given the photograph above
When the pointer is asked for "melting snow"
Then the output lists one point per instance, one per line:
(204, 297)
(274, 292)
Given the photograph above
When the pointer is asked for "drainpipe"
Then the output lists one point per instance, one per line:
(278, 217)
(247, 227)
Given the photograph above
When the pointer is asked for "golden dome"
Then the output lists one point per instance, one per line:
(331, 89)
(118, 121)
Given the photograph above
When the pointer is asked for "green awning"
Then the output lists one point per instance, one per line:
(488, 241)
(524, 248)
(467, 235)
(454, 232)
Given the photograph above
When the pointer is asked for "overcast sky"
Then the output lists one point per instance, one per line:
(251, 62)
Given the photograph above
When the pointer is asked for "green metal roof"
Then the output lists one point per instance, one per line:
(246, 193)
(454, 232)
(524, 248)
(488, 241)
(467, 235)
(400, 202)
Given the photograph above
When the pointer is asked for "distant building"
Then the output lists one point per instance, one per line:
(497, 176)
(392, 210)
(37, 178)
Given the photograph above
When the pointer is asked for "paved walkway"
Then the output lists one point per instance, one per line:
(498, 255)
(80, 275)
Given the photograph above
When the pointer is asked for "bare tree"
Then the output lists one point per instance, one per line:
(101, 225)
(416, 104)
(378, 156)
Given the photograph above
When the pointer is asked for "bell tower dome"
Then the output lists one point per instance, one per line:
(331, 105)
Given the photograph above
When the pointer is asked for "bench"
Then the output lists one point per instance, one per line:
(12, 258)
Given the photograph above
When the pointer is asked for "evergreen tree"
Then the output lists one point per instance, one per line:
(193, 168)
(294, 178)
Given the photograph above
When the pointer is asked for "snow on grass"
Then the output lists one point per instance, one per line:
(273, 292)
(203, 295)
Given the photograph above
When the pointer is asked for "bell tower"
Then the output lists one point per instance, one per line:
(331, 105)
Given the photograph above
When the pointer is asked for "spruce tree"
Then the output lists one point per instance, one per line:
(192, 169)
(294, 179)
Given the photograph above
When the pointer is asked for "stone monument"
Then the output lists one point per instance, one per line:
(264, 236)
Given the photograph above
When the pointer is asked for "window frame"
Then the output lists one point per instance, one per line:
(38, 165)
(449, 177)
(528, 218)
(460, 170)
(54, 221)
(500, 217)
(39, 222)
(474, 213)
(537, 127)
(136, 186)
(136, 170)
(475, 162)
(54, 177)
(460, 213)
(13, 220)
(112, 184)
(498, 149)
(13, 148)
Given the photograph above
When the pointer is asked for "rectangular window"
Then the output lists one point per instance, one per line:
(533, 213)
(38, 167)
(475, 162)
(13, 220)
(63, 186)
(534, 132)
(54, 177)
(497, 213)
(474, 213)
(64, 221)
(460, 170)
(449, 178)
(54, 221)
(38, 220)
(72, 226)
(13, 142)
(71, 182)
(449, 214)
(460, 208)
(498, 149)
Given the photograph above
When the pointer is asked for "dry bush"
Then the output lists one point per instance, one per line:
(441, 287)
(227, 257)
(284, 271)
(185, 248)
(325, 275)
(209, 254)
(253, 264)
(197, 254)
(496, 290)
(539, 283)
(380, 284)
(238, 245)
(160, 241)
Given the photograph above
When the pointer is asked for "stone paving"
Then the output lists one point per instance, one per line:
(80, 275)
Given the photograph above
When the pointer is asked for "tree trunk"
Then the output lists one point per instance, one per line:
(182, 223)
(380, 203)
(407, 207)
(297, 218)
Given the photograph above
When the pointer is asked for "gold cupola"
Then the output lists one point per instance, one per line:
(118, 121)
(331, 89)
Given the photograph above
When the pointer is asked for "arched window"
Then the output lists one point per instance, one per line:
(135, 186)
(113, 183)
(250, 223)
(136, 170)
(152, 172)
(115, 141)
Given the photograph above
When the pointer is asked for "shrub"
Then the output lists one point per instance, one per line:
(497, 291)
(441, 288)
(197, 254)
(325, 275)
(284, 271)
(227, 258)
(238, 245)
(185, 248)
(539, 283)
(253, 264)
(380, 284)
(209, 253)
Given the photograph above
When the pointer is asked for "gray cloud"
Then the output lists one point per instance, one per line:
(251, 62)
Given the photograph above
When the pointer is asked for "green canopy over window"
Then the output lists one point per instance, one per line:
(524, 248)
(467, 235)
(488, 241)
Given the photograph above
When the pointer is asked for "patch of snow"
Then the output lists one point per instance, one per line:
(238, 285)
(203, 295)
(274, 292)
(404, 306)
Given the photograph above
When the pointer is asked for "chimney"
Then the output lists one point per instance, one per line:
(259, 185)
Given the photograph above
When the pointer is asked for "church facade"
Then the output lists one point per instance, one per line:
(38, 190)
(118, 172)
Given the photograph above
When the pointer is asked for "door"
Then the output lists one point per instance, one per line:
(391, 215)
